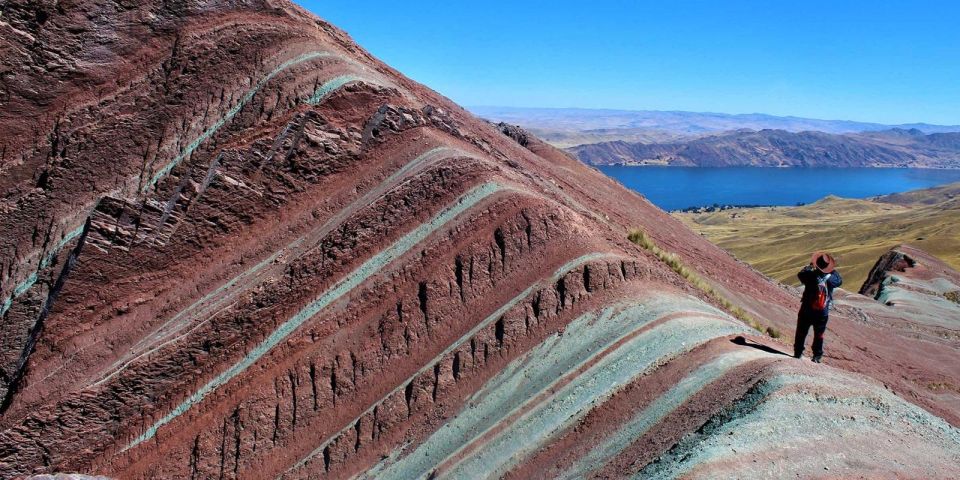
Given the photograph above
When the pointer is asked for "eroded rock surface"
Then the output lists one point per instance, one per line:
(235, 245)
(914, 291)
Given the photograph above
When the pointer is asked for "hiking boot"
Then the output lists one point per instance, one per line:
(817, 358)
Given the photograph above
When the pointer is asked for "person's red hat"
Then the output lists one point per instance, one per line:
(823, 261)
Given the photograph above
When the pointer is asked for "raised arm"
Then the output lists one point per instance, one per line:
(807, 275)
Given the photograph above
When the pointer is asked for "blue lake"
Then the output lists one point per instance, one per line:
(674, 188)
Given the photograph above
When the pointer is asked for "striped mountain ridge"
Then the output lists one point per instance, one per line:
(235, 245)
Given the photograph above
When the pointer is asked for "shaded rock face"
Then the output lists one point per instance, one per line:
(235, 245)
(918, 290)
(515, 132)
(780, 148)
(892, 261)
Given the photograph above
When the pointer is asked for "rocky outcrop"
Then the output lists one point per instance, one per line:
(235, 245)
(891, 262)
(780, 148)
(917, 289)
(515, 132)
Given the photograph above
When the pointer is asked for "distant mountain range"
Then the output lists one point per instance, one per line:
(781, 148)
(566, 127)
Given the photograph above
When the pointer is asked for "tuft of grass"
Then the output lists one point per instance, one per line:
(953, 296)
(640, 238)
(672, 260)
(943, 386)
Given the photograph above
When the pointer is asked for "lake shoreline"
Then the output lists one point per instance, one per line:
(677, 188)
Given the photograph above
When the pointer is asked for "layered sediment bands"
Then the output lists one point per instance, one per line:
(912, 291)
(777, 429)
(350, 281)
(249, 278)
(129, 240)
(52, 213)
(235, 245)
(553, 386)
(654, 413)
(475, 354)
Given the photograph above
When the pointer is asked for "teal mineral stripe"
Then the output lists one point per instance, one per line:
(426, 158)
(318, 95)
(227, 286)
(789, 416)
(56, 250)
(23, 287)
(350, 281)
(529, 400)
(653, 414)
(231, 113)
(601, 381)
(500, 312)
(330, 86)
(669, 467)
(367, 199)
(32, 279)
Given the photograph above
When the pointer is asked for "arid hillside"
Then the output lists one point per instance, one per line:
(233, 244)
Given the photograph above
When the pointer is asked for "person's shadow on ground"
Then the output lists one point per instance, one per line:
(740, 340)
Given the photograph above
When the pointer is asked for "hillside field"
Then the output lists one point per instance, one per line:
(779, 240)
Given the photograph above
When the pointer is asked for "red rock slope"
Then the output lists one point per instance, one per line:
(237, 246)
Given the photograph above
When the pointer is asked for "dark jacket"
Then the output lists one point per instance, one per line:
(810, 277)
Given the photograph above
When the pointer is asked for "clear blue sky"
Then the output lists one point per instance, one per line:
(881, 61)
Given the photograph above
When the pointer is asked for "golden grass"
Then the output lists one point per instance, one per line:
(943, 386)
(672, 260)
(778, 241)
(953, 296)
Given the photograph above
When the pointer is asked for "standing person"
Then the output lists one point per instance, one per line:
(818, 279)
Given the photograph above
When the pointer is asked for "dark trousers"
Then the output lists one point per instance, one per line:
(804, 322)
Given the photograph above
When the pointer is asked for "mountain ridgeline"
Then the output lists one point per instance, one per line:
(781, 148)
(569, 127)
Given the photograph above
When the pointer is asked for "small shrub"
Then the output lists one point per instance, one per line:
(943, 386)
(673, 261)
(640, 238)
(953, 296)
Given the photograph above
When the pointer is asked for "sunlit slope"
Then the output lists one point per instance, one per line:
(779, 240)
